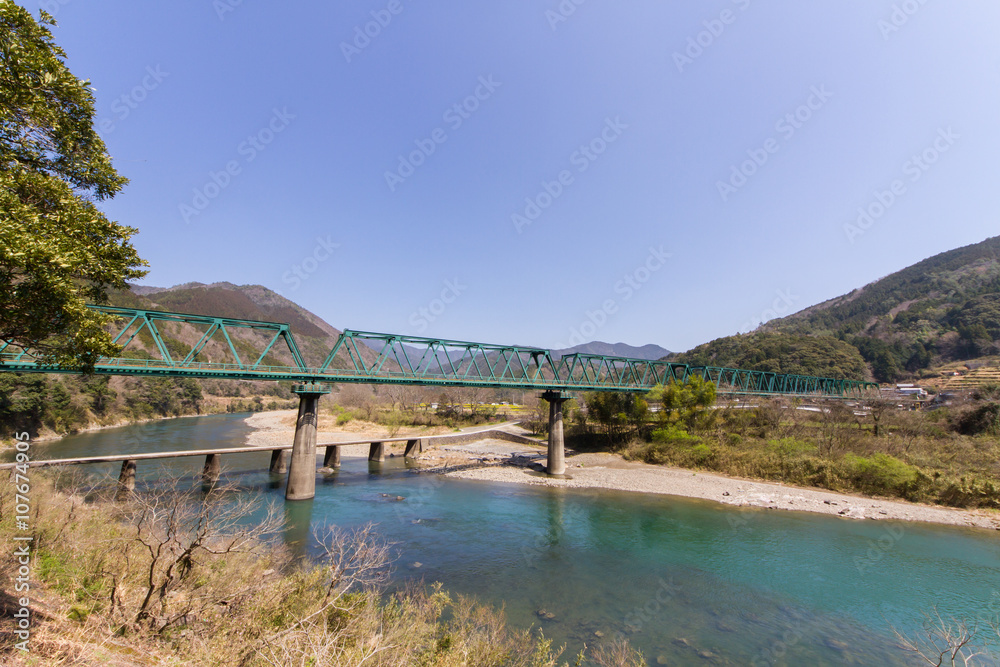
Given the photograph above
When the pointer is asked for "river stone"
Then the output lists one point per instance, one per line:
(662, 660)
(836, 644)
(680, 641)
(598, 634)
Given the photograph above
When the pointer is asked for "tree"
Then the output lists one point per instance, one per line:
(621, 414)
(973, 341)
(877, 407)
(101, 393)
(57, 250)
(688, 404)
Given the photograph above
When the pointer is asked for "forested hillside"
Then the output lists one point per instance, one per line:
(822, 356)
(941, 310)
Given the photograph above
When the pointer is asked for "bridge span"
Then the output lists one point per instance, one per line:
(228, 348)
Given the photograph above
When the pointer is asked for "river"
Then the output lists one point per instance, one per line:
(688, 581)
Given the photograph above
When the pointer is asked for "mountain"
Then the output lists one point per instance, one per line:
(650, 351)
(314, 336)
(939, 311)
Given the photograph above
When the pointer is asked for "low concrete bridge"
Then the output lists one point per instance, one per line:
(279, 456)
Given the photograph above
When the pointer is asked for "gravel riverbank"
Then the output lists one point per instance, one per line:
(496, 461)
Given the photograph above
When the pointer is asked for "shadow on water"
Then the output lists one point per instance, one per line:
(687, 581)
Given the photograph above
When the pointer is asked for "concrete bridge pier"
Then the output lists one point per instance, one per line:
(213, 467)
(279, 461)
(414, 448)
(332, 457)
(376, 453)
(302, 467)
(126, 480)
(557, 449)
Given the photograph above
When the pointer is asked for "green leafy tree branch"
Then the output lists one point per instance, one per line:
(57, 249)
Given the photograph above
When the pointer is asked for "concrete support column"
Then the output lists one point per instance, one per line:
(414, 448)
(213, 466)
(126, 480)
(279, 461)
(302, 467)
(376, 454)
(332, 457)
(557, 450)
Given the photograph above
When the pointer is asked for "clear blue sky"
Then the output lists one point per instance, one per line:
(308, 118)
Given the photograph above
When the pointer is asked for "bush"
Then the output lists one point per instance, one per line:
(672, 433)
(881, 474)
(984, 418)
(702, 454)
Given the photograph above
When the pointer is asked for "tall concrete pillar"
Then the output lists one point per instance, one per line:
(557, 450)
(302, 467)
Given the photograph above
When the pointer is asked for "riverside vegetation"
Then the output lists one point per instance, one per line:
(187, 577)
(948, 456)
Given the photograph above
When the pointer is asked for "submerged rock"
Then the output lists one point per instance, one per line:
(836, 644)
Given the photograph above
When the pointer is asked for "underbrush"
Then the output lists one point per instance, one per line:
(181, 577)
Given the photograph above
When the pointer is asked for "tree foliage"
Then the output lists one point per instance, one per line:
(688, 404)
(57, 250)
(621, 415)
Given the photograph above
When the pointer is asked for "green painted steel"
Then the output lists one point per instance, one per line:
(375, 358)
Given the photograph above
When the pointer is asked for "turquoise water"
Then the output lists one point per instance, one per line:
(687, 581)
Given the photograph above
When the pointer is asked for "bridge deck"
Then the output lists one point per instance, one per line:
(266, 449)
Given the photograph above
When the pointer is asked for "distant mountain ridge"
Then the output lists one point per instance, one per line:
(650, 351)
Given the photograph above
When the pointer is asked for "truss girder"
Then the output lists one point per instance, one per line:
(376, 358)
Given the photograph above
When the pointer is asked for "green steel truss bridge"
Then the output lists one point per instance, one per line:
(387, 359)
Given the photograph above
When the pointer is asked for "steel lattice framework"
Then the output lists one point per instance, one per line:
(375, 358)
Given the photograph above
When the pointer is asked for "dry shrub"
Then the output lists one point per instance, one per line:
(617, 653)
